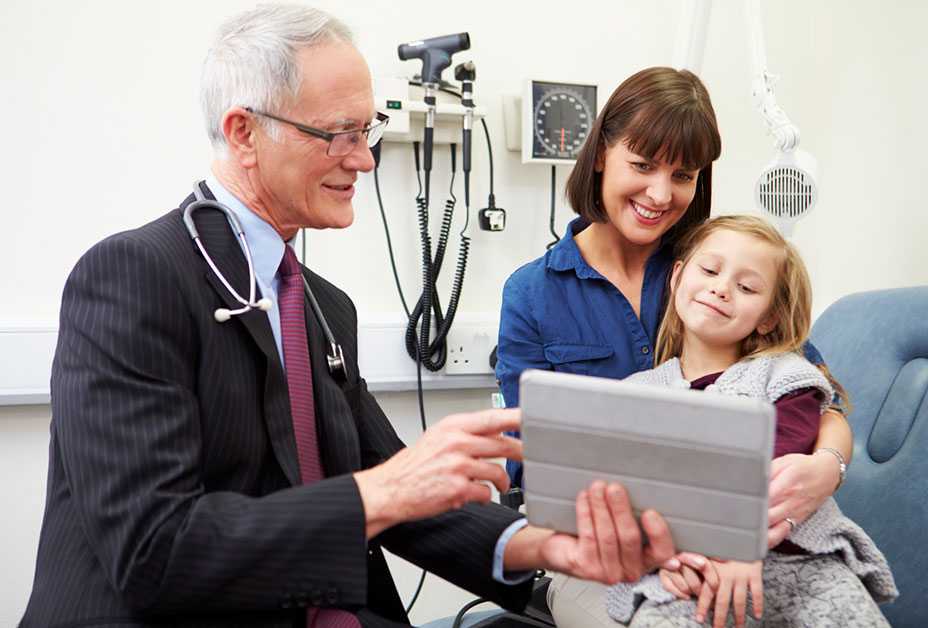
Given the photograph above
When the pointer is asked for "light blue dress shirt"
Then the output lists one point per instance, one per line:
(267, 250)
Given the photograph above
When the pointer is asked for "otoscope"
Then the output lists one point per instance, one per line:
(466, 73)
(435, 54)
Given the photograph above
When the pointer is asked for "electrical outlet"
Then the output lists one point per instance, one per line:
(469, 347)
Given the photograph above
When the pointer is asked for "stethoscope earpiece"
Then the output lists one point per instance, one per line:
(264, 304)
(222, 315)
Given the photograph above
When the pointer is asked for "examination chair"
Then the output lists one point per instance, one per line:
(876, 345)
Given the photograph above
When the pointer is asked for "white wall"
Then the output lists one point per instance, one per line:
(102, 133)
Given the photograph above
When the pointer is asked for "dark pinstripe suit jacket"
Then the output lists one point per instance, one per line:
(173, 487)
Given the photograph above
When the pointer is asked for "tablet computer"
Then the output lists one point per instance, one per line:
(699, 458)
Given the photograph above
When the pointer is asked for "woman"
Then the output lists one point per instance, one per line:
(592, 304)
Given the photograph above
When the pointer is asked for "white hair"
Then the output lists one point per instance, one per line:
(253, 62)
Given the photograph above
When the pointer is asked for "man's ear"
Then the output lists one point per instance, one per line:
(675, 275)
(767, 325)
(238, 127)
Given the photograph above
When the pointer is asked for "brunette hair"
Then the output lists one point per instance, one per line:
(661, 113)
(790, 306)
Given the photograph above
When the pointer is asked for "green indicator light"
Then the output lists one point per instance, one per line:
(394, 104)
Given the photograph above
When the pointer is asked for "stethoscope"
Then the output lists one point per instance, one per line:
(334, 356)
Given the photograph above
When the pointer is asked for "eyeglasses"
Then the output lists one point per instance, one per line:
(341, 143)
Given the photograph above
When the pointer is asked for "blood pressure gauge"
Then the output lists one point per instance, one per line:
(556, 120)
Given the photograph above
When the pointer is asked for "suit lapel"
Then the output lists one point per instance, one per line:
(224, 248)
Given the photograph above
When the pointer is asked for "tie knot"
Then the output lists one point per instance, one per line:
(289, 264)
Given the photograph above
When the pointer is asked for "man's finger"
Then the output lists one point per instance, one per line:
(477, 492)
(485, 422)
(498, 446)
(628, 531)
(482, 470)
(660, 544)
(586, 535)
(607, 539)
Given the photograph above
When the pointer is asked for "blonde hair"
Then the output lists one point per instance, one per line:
(790, 307)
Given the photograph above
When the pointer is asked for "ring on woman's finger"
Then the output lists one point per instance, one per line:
(792, 525)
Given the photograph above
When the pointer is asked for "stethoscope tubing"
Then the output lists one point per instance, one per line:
(334, 357)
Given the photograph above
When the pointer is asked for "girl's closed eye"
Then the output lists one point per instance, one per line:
(747, 289)
(709, 271)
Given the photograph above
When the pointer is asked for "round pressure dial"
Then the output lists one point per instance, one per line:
(563, 114)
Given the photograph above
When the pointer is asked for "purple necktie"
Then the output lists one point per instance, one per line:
(300, 385)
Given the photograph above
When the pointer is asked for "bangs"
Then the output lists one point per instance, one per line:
(674, 133)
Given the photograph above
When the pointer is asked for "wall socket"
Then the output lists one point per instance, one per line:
(469, 347)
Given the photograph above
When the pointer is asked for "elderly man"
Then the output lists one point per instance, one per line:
(216, 473)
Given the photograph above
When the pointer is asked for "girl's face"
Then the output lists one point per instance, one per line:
(726, 288)
(643, 198)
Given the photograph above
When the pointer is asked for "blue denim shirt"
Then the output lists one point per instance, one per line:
(559, 314)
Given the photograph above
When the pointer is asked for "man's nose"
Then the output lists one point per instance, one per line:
(360, 159)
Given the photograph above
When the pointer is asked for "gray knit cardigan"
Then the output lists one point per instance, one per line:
(826, 531)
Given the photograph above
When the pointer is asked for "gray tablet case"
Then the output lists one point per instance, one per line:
(699, 458)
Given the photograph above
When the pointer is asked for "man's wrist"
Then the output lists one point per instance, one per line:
(523, 552)
(376, 500)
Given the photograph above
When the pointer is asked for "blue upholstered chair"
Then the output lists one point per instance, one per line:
(876, 345)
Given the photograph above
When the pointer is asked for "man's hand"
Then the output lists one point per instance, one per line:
(608, 546)
(444, 470)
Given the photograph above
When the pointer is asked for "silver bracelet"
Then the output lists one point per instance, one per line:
(842, 465)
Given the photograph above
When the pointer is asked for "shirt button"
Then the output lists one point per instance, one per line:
(645, 350)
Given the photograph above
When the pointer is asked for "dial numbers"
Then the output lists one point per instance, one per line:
(563, 115)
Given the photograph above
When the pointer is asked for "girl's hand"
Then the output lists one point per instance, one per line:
(799, 484)
(688, 578)
(735, 579)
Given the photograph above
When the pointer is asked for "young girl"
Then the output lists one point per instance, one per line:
(738, 314)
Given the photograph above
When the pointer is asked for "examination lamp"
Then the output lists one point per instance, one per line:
(435, 53)
(787, 188)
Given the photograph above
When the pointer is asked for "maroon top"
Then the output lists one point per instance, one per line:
(799, 415)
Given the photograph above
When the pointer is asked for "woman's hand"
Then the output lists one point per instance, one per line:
(799, 484)
(735, 580)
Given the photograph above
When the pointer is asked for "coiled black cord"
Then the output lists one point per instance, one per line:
(432, 353)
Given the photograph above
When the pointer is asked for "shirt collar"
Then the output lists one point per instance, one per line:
(565, 255)
(266, 245)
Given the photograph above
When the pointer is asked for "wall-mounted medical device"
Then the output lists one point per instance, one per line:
(556, 120)
(403, 101)
(786, 189)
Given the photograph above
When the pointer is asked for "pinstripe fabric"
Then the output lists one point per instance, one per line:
(174, 494)
(300, 387)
